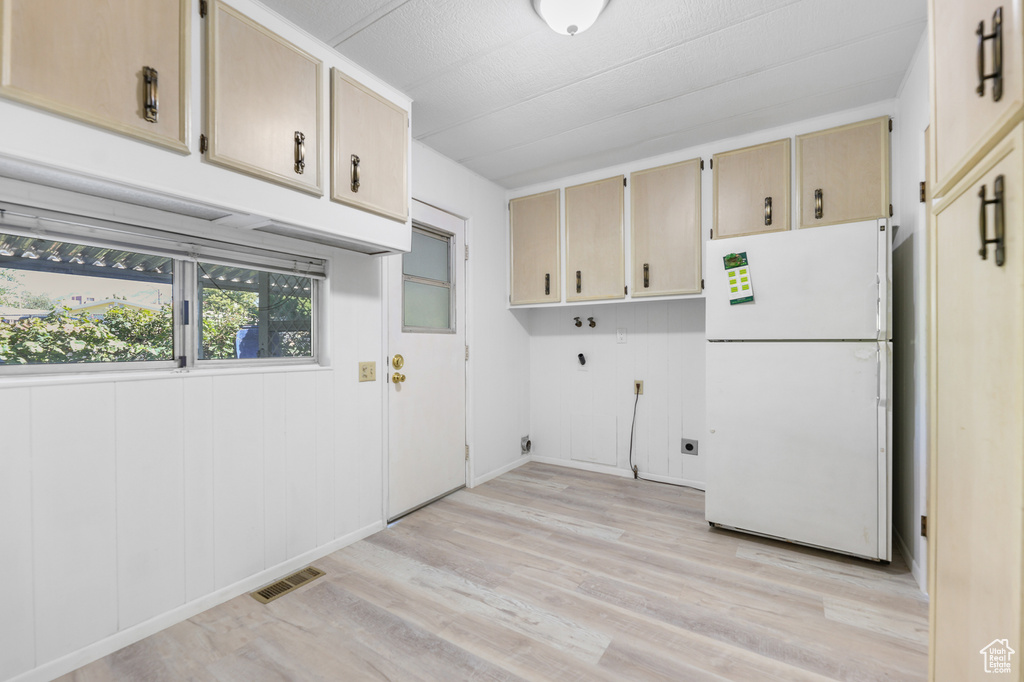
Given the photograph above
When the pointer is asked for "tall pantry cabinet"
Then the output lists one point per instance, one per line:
(976, 368)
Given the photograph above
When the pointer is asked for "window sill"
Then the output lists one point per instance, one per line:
(101, 377)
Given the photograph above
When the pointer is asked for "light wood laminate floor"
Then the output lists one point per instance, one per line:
(549, 573)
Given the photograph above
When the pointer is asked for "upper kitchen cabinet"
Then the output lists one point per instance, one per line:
(534, 223)
(752, 190)
(844, 173)
(977, 82)
(118, 64)
(370, 150)
(665, 210)
(263, 102)
(594, 260)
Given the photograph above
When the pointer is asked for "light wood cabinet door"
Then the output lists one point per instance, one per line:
(118, 64)
(370, 149)
(594, 259)
(843, 173)
(752, 190)
(976, 529)
(263, 102)
(665, 224)
(536, 257)
(967, 123)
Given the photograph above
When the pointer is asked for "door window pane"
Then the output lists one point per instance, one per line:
(63, 303)
(246, 313)
(427, 306)
(428, 258)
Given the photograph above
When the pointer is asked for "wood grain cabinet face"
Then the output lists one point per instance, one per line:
(665, 210)
(977, 566)
(370, 150)
(752, 190)
(843, 173)
(593, 241)
(534, 224)
(263, 102)
(966, 124)
(88, 60)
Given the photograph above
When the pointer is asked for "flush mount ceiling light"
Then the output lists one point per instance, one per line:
(569, 17)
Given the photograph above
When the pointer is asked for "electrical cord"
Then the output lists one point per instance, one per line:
(633, 467)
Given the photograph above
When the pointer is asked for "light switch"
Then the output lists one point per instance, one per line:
(367, 371)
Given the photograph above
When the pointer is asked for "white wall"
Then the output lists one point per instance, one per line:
(498, 374)
(665, 346)
(910, 445)
(582, 414)
(131, 502)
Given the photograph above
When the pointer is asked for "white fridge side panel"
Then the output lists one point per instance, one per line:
(821, 283)
(793, 443)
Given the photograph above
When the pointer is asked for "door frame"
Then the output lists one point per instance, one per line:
(419, 212)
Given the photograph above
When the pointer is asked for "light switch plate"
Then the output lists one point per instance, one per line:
(367, 371)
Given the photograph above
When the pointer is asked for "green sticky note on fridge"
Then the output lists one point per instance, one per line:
(737, 271)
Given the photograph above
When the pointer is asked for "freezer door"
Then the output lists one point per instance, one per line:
(821, 283)
(793, 445)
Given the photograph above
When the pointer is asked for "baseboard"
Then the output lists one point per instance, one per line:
(585, 466)
(616, 471)
(915, 569)
(97, 650)
(498, 472)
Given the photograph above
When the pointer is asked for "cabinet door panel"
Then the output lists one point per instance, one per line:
(262, 91)
(366, 126)
(977, 465)
(850, 165)
(665, 210)
(534, 224)
(85, 59)
(593, 240)
(966, 125)
(744, 180)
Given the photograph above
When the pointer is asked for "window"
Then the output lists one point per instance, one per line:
(427, 288)
(246, 313)
(65, 303)
(106, 297)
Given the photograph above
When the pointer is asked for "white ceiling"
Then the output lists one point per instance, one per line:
(498, 91)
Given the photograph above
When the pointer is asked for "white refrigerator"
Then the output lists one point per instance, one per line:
(798, 386)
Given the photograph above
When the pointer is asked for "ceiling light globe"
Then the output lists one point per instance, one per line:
(569, 17)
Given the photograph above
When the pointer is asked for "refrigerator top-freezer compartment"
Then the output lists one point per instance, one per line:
(825, 283)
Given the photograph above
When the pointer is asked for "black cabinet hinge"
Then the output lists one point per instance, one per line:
(202, 8)
(923, 193)
(702, 285)
(711, 234)
(890, 210)
(623, 182)
(625, 291)
(924, 526)
(890, 125)
(203, 144)
(712, 164)
(702, 164)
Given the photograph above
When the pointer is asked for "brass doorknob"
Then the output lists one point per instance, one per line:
(397, 378)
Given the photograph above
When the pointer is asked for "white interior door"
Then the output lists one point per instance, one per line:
(427, 386)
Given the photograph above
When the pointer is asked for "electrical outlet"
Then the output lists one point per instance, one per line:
(638, 387)
(620, 335)
(367, 371)
(688, 447)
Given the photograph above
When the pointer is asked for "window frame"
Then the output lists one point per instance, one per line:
(185, 252)
(435, 233)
